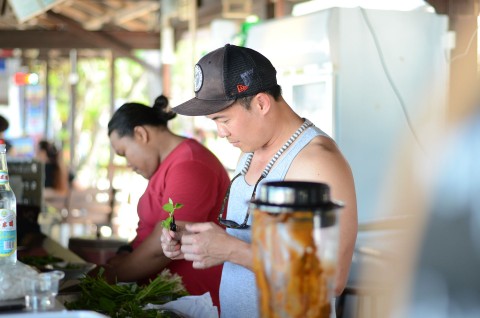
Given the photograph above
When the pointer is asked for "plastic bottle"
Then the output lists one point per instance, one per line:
(8, 214)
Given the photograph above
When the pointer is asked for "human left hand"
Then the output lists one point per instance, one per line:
(206, 244)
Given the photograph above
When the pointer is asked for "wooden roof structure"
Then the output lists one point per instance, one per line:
(121, 26)
(132, 24)
(64, 24)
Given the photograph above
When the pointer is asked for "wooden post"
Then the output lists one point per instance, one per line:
(463, 64)
(462, 17)
(73, 105)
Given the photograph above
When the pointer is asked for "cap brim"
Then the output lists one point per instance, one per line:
(201, 107)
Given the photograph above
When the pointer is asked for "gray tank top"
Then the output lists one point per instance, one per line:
(238, 290)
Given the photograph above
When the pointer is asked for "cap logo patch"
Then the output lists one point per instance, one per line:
(247, 77)
(241, 88)
(198, 78)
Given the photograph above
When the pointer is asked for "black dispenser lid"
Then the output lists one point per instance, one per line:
(296, 194)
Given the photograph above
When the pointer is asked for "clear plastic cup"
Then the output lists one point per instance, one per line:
(41, 290)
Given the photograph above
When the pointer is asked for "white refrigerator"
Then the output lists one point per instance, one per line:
(363, 76)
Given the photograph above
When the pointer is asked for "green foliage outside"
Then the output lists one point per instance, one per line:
(93, 96)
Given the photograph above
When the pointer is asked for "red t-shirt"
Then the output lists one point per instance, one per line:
(193, 176)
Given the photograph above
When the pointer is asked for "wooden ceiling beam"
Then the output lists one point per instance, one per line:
(25, 39)
(71, 13)
(100, 39)
(97, 23)
(134, 25)
(136, 11)
(76, 29)
(91, 7)
(115, 4)
(125, 15)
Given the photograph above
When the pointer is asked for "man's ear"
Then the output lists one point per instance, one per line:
(140, 134)
(263, 102)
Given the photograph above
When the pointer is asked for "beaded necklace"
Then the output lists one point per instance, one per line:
(248, 161)
(307, 123)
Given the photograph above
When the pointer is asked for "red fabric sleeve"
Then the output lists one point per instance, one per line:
(195, 186)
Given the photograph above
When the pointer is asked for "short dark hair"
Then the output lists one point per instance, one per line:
(3, 124)
(275, 92)
(50, 150)
(131, 115)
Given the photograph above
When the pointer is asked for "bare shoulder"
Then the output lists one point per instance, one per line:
(322, 161)
(319, 161)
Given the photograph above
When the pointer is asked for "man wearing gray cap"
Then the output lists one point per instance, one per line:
(236, 87)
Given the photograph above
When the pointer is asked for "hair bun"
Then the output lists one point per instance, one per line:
(161, 102)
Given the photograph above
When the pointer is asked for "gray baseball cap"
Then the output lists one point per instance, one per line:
(224, 75)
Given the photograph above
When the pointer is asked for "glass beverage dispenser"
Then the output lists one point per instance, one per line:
(295, 243)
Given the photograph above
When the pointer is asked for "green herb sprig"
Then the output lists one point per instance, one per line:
(170, 207)
(127, 300)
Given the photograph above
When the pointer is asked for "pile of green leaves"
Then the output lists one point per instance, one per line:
(127, 300)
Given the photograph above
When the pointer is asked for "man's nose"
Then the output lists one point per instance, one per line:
(222, 132)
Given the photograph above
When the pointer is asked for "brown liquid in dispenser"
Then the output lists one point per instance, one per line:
(291, 278)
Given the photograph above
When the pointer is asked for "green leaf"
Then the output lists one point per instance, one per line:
(106, 304)
(166, 222)
(168, 207)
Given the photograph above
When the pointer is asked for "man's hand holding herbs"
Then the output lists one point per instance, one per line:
(172, 231)
(171, 242)
(170, 207)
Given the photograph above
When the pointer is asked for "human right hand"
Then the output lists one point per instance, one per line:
(171, 243)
